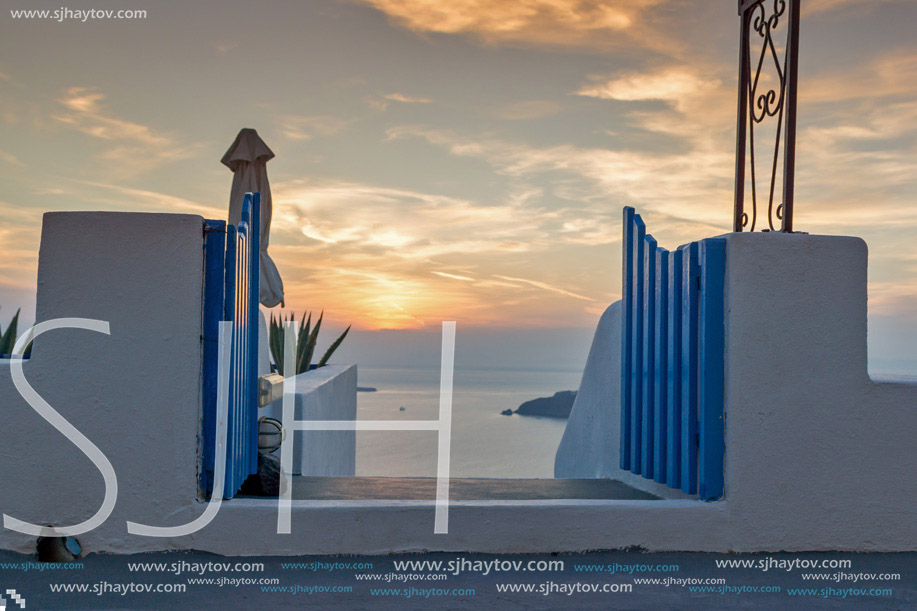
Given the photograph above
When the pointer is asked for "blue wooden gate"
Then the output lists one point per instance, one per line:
(672, 359)
(231, 293)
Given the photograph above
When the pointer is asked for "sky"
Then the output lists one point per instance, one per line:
(464, 160)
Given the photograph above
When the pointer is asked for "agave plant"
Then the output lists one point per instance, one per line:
(305, 345)
(8, 337)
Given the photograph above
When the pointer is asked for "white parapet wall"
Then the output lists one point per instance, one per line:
(817, 453)
(327, 393)
(136, 393)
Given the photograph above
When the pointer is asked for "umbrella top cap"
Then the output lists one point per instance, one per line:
(248, 147)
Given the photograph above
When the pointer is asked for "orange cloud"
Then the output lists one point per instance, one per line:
(19, 235)
(578, 23)
(399, 97)
(597, 181)
(891, 74)
(369, 219)
(453, 276)
(675, 84)
(89, 117)
(297, 127)
(10, 159)
(382, 102)
(545, 286)
(135, 148)
(819, 6)
(529, 109)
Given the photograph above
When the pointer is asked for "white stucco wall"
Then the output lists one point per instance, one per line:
(589, 446)
(264, 348)
(327, 393)
(815, 450)
(135, 393)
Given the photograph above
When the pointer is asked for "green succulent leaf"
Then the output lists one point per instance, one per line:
(333, 347)
(8, 338)
(311, 339)
(302, 343)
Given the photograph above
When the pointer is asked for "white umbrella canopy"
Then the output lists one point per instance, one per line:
(247, 158)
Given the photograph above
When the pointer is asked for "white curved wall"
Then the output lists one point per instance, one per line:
(589, 447)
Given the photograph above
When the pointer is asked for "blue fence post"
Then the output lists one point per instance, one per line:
(214, 269)
(241, 459)
(627, 333)
(636, 405)
(229, 314)
(649, 354)
(239, 350)
(661, 369)
(689, 371)
(712, 380)
(673, 400)
(253, 324)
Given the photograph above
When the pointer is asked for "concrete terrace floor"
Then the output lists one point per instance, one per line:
(461, 489)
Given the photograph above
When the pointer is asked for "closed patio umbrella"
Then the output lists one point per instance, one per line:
(247, 158)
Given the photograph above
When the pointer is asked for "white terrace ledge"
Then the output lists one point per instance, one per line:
(325, 393)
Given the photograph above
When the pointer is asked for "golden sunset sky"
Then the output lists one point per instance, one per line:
(456, 160)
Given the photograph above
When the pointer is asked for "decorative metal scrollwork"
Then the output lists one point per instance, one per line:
(760, 99)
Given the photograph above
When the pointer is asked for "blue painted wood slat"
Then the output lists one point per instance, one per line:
(689, 371)
(229, 315)
(649, 355)
(214, 270)
(627, 334)
(238, 351)
(241, 459)
(675, 382)
(241, 295)
(239, 348)
(711, 363)
(253, 328)
(636, 409)
(660, 369)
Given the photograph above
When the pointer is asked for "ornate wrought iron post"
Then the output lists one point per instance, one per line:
(760, 19)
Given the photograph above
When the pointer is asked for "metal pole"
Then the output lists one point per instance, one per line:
(741, 124)
(789, 153)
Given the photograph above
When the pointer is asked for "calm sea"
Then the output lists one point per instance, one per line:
(484, 442)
